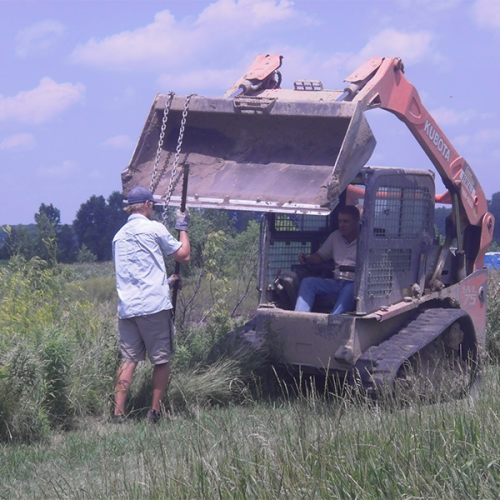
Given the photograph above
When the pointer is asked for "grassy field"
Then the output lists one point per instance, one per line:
(222, 439)
(292, 448)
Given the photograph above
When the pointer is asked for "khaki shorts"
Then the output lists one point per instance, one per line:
(152, 333)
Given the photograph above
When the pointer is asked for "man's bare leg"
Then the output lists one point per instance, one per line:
(160, 382)
(124, 379)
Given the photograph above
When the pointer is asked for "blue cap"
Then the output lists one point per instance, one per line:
(139, 195)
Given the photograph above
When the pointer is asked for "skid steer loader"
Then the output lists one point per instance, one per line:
(298, 155)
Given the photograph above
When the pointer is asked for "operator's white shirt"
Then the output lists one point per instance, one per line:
(343, 253)
(141, 277)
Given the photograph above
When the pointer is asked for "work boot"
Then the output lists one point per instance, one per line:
(153, 416)
(118, 419)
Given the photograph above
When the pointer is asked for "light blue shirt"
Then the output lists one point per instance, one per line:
(141, 277)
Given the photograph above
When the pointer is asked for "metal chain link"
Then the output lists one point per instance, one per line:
(168, 104)
(172, 185)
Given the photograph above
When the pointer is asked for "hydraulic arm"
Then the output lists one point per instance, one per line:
(380, 83)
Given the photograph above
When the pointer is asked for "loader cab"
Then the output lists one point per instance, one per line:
(394, 248)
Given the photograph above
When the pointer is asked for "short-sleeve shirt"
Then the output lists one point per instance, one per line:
(343, 253)
(141, 277)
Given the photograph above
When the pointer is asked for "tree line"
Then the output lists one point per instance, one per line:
(441, 213)
(88, 238)
(90, 235)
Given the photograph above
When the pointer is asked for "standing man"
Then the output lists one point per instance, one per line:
(341, 247)
(144, 308)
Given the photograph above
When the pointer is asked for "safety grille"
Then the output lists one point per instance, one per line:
(298, 222)
(283, 255)
(383, 264)
(401, 212)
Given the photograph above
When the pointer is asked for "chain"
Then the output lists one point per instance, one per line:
(171, 187)
(168, 104)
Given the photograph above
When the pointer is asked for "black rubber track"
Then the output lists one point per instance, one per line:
(379, 365)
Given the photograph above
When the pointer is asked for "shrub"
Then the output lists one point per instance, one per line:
(493, 318)
(58, 354)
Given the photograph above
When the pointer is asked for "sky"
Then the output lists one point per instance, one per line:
(79, 76)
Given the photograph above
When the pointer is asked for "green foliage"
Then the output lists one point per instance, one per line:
(57, 354)
(494, 247)
(193, 344)
(18, 241)
(494, 208)
(85, 255)
(32, 297)
(96, 223)
(90, 226)
(47, 240)
(56, 358)
(67, 244)
(308, 448)
(493, 318)
(440, 215)
(58, 345)
(222, 272)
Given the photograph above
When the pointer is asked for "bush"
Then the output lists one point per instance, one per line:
(493, 318)
(58, 355)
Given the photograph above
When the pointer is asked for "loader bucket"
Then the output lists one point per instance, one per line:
(259, 154)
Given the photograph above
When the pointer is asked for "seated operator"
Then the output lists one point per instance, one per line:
(341, 247)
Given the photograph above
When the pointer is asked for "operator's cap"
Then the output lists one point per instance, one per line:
(139, 195)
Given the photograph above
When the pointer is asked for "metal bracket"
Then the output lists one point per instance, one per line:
(254, 103)
(308, 85)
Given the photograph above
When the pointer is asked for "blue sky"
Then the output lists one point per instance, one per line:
(79, 76)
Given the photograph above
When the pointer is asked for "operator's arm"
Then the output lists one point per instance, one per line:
(314, 258)
(324, 254)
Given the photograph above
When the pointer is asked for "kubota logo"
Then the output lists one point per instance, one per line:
(437, 140)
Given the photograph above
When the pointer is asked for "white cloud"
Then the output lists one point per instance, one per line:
(411, 47)
(461, 140)
(487, 13)
(166, 42)
(488, 136)
(67, 169)
(202, 80)
(96, 174)
(156, 44)
(250, 14)
(19, 142)
(435, 5)
(42, 103)
(447, 116)
(38, 37)
(119, 142)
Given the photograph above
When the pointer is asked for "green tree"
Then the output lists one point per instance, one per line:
(91, 227)
(494, 208)
(19, 241)
(51, 213)
(440, 215)
(67, 244)
(117, 216)
(48, 220)
(97, 221)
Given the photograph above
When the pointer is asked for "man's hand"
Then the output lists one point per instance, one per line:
(172, 279)
(183, 218)
(302, 258)
(314, 258)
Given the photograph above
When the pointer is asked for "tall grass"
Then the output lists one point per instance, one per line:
(227, 436)
(493, 318)
(59, 351)
(291, 448)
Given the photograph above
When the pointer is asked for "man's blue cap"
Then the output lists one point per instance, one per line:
(139, 195)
